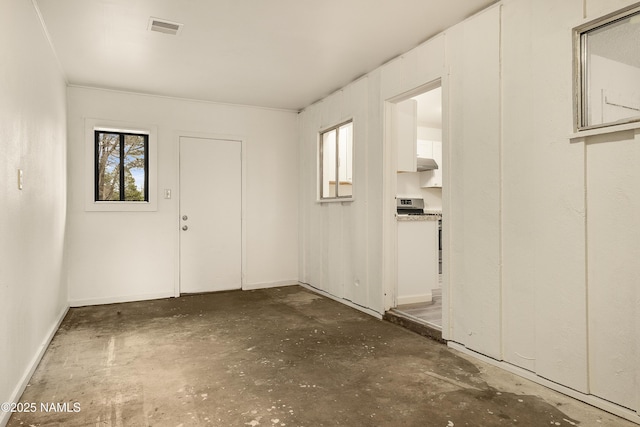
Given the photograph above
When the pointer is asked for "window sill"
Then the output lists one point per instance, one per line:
(121, 207)
(577, 136)
(345, 200)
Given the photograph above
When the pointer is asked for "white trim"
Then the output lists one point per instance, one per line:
(414, 299)
(390, 150)
(243, 212)
(336, 200)
(45, 30)
(175, 204)
(90, 205)
(579, 110)
(319, 199)
(590, 399)
(588, 24)
(418, 90)
(178, 98)
(577, 136)
(447, 304)
(389, 222)
(31, 368)
(266, 285)
(120, 299)
(342, 300)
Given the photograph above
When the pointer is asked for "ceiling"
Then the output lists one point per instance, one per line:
(272, 53)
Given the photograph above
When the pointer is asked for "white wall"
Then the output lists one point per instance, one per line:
(541, 229)
(408, 185)
(613, 215)
(271, 232)
(609, 94)
(613, 247)
(33, 294)
(342, 244)
(432, 195)
(472, 190)
(570, 216)
(429, 134)
(339, 247)
(544, 230)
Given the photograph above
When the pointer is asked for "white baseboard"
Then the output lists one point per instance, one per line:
(414, 299)
(266, 285)
(31, 368)
(119, 299)
(590, 399)
(168, 294)
(342, 300)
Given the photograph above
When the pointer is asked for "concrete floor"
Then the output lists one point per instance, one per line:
(276, 357)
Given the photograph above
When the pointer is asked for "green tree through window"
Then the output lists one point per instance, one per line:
(121, 166)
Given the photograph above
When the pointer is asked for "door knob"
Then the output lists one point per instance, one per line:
(185, 228)
(184, 217)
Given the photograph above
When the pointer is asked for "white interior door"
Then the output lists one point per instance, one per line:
(210, 215)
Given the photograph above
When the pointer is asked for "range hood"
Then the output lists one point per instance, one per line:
(425, 164)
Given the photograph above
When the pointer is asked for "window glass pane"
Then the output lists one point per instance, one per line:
(134, 167)
(611, 72)
(344, 161)
(108, 166)
(329, 164)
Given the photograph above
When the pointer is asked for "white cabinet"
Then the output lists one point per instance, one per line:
(417, 261)
(406, 134)
(433, 150)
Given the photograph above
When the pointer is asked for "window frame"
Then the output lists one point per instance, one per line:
(581, 107)
(90, 204)
(121, 169)
(324, 131)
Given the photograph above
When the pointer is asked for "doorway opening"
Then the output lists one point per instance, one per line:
(416, 139)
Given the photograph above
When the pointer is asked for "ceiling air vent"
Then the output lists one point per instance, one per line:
(164, 26)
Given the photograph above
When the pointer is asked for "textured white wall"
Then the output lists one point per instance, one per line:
(33, 294)
(613, 249)
(540, 230)
(570, 215)
(544, 295)
(271, 197)
(613, 215)
(472, 209)
(336, 250)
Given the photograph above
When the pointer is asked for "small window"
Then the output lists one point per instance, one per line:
(121, 167)
(608, 68)
(336, 162)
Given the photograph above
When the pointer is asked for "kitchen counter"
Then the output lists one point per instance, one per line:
(409, 218)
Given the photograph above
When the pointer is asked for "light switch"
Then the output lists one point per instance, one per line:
(20, 176)
(167, 193)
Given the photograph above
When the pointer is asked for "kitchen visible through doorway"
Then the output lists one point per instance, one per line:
(418, 131)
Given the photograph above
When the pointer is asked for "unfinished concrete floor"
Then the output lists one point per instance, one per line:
(276, 357)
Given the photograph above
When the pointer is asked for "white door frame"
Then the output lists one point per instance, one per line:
(176, 200)
(389, 226)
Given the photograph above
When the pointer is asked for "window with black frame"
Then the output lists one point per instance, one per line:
(121, 166)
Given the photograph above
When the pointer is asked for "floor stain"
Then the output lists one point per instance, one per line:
(283, 356)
